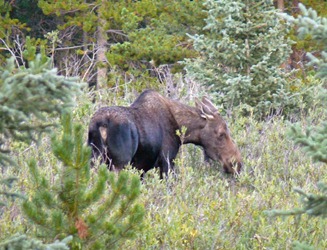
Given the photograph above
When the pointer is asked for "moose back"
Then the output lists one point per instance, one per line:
(144, 134)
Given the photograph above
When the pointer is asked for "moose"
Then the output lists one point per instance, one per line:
(144, 134)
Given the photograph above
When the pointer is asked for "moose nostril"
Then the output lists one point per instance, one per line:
(239, 166)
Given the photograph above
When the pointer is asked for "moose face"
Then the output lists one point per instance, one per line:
(216, 139)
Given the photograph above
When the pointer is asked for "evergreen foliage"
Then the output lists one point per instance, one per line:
(27, 96)
(314, 141)
(313, 204)
(310, 24)
(78, 205)
(156, 33)
(8, 28)
(22, 242)
(298, 58)
(140, 35)
(241, 55)
(138, 31)
(6, 184)
(204, 209)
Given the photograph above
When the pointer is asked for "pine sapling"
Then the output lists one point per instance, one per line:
(97, 209)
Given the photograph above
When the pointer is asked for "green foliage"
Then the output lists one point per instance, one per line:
(313, 204)
(303, 44)
(240, 57)
(6, 184)
(201, 207)
(22, 242)
(8, 24)
(142, 34)
(30, 52)
(62, 8)
(309, 23)
(314, 141)
(27, 96)
(302, 246)
(8, 28)
(161, 37)
(77, 203)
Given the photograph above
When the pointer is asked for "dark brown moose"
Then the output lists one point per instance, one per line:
(144, 134)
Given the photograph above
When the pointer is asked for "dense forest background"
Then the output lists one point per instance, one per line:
(107, 43)
(263, 63)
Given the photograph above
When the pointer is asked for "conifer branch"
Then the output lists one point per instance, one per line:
(79, 207)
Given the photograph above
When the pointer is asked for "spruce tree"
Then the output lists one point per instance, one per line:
(98, 212)
(311, 25)
(241, 54)
(29, 95)
(314, 140)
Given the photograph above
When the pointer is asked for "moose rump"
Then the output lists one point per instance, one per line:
(144, 134)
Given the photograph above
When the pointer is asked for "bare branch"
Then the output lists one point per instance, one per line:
(10, 51)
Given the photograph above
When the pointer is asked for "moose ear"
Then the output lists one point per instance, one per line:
(198, 103)
(206, 112)
(206, 101)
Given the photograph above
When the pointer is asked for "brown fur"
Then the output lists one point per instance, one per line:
(144, 134)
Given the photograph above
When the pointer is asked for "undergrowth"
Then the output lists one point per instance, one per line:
(199, 206)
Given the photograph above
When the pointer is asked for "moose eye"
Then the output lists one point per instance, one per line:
(222, 136)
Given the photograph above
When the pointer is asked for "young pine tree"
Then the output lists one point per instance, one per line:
(99, 213)
(241, 55)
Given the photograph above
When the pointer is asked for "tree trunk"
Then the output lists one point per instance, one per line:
(102, 65)
(295, 6)
(280, 5)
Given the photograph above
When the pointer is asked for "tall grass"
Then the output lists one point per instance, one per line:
(201, 207)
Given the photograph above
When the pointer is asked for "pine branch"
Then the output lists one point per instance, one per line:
(314, 140)
(74, 205)
(22, 242)
(28, 96)
(313, 204)
(309, 23)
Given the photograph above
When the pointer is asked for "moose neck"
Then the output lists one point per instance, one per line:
(190, 118)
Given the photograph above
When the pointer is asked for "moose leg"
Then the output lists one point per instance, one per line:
(122, 142)
(166, 165)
